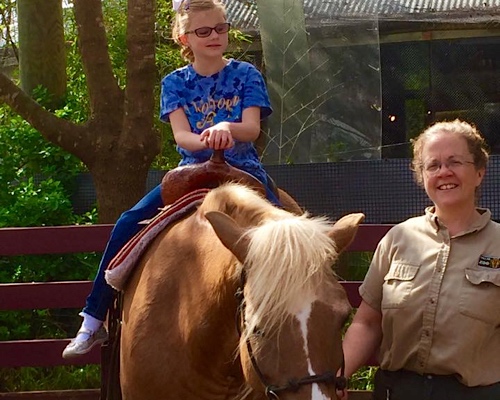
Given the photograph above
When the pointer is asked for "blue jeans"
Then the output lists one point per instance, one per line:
(101, 296)
(272, 197)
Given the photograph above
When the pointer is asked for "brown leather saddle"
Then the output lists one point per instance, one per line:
(210, 174)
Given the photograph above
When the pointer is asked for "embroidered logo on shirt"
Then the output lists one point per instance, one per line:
(489, 262)
(211, 107)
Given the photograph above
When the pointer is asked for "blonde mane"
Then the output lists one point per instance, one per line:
(289, 256)
(287, 260)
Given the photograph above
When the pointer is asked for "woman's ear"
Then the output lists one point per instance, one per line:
(480, 174)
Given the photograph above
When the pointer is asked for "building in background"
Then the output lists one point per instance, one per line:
(389, 68)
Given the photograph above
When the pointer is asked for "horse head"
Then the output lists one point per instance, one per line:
(291, 307)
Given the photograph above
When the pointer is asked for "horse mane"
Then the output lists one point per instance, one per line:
(288, 257)
(287, 260)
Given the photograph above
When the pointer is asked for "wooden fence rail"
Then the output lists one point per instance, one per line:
(72, 294)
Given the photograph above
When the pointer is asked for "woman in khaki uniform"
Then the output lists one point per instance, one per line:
(431, 298)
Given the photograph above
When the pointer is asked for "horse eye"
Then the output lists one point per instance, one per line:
(258, 332)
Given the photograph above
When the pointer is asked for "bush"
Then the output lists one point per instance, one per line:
(36, 183)
(57, 378)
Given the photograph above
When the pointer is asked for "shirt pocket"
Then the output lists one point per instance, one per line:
(480, 295)
(398, 284)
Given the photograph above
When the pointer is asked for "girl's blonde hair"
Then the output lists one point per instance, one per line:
(183, 19)
(475, 142)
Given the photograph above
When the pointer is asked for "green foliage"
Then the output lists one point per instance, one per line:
(115, 20)
(46, 198)
(353, 266)
(58, 378)
(335, 151)
(363, 379)
(36, 182)
(49, 268)
(357, 264)
(36, 177)
(168, 56)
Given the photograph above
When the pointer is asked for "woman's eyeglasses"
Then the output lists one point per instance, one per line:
(453, 164)
(206, 31)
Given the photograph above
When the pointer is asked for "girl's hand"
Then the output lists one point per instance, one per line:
(218, 137)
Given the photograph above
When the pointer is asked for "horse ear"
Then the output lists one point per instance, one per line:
(344, 230)
(230, 233)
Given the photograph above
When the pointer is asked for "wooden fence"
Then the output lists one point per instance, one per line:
(72, 294)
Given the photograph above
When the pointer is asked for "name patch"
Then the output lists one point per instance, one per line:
(489, 262)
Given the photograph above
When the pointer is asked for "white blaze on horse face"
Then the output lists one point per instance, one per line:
(303, 317)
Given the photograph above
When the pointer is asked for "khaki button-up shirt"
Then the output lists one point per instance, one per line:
(439, 297)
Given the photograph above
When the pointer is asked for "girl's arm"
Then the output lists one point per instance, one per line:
(247, 130)
(218, 137)
(182, 132)
(223, 134)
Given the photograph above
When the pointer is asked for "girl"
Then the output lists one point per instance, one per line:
(213, 103)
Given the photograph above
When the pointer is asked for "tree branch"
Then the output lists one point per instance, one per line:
(58, 131)
(141, 68)
(105, 94)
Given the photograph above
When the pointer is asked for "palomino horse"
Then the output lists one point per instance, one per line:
(237, 300)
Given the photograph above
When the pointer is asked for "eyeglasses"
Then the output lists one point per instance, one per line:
(206, 31)
(433, 167)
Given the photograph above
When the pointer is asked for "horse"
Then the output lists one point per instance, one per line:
(237, 300)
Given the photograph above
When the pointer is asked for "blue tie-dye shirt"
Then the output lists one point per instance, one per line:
(208, 100)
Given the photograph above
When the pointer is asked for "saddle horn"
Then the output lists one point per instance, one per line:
(208, 175)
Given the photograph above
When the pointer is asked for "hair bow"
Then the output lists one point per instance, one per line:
(177, 4)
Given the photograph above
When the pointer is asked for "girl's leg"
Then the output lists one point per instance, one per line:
(101, 296)
(263, 177)
(272, 197)
(270, 194)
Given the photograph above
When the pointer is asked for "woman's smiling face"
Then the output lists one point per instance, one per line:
(449, 174)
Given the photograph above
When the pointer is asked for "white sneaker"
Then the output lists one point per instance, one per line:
(77, 348)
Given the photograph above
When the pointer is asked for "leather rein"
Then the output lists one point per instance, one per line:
(293, 385)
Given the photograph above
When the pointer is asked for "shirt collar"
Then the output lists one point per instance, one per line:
(479, 224)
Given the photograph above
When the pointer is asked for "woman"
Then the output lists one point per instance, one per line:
(431, 298)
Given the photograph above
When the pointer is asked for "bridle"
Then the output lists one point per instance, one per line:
(292, 385)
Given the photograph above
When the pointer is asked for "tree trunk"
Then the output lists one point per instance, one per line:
(118, 186)
(119, 141)
(42, 55)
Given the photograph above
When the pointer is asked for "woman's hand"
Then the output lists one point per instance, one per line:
(342, 394)
(218, 137)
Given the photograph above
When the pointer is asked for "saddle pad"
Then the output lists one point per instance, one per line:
(123, 263)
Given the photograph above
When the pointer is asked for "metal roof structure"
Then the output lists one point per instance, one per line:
(243, 13)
